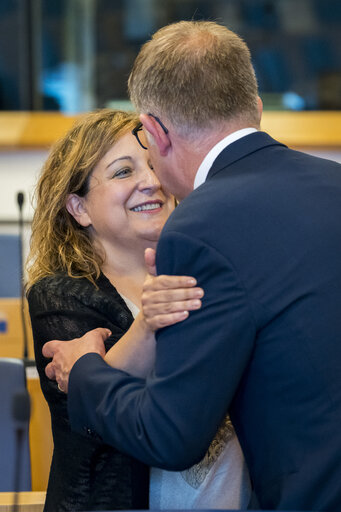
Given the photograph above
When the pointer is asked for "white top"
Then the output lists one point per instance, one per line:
(207, 162)
(220, 481)
(132, 306)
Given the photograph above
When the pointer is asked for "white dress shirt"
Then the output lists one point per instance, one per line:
(207, 162)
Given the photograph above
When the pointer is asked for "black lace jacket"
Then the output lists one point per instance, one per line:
(85, 473)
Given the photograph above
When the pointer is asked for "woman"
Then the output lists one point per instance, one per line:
(99, 206)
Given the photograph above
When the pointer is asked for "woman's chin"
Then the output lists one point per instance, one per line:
(152, 236)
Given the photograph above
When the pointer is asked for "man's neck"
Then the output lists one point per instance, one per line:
(211, 156)
(192, 152)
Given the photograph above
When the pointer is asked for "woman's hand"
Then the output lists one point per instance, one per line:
(167, 300)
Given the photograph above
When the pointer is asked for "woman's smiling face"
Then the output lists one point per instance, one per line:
(125, 202)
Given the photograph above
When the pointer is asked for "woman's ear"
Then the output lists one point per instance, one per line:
(76, 207)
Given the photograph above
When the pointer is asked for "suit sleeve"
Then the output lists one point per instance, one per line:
(169, 419)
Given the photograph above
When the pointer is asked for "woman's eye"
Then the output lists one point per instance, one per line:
(122, 173)
(150, 165)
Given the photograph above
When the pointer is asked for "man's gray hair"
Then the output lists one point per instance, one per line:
(196, 74)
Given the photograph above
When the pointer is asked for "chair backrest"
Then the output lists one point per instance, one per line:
(10, 273)
(12, 380)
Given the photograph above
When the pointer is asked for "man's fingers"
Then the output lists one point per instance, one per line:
(93, 341)
(149, 258)
(49, 370)
(66, 353)
(103, 332)
(51, 347)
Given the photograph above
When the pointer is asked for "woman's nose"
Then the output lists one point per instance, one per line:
(148, 180)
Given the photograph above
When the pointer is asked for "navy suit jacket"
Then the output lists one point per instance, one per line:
(262, 236)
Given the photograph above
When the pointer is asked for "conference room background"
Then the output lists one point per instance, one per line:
(59, 58)
(75, 55)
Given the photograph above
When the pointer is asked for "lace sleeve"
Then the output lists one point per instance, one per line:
(65, 308)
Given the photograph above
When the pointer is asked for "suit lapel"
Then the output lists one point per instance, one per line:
(240, 149)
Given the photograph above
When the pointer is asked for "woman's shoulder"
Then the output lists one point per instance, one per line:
(58, 285)
(59, 282)
(62, 284)
(61, 289)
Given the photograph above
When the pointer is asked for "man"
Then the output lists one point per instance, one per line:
(261, 233)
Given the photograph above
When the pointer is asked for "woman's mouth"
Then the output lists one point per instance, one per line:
(145, 207)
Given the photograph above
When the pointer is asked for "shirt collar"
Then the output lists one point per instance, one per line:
(207, 162)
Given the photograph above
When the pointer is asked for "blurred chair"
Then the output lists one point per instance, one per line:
(11, 327)
(10, 274)
(12, 381)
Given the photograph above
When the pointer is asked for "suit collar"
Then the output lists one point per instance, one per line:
(218, 148)
(240, 149)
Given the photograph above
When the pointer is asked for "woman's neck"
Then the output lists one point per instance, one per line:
(126, 271)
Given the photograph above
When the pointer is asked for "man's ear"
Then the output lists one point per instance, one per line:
(161, 138)
(75, 206)
(260, 107)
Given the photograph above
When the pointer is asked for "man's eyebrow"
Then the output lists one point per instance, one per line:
(118, 159)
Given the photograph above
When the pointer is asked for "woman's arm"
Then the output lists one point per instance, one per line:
(134, 352)
(166, 300)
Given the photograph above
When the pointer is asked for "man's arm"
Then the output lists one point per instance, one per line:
(169, 419)
(166, 299)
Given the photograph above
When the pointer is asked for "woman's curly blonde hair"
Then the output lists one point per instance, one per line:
(58, 242)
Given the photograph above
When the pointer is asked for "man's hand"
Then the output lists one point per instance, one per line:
(66, 353)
